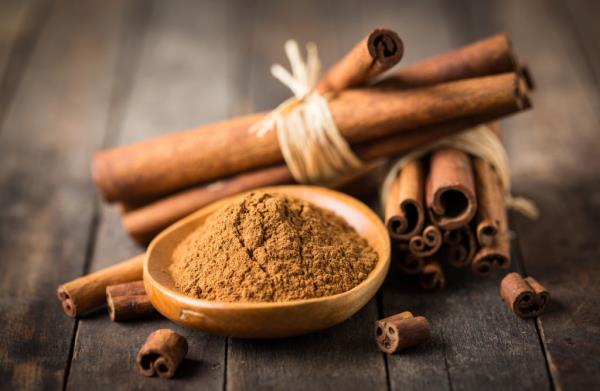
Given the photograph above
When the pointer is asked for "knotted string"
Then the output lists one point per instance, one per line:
(310, 142)
(481, 142)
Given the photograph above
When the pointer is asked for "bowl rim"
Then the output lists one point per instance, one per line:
(381, 266)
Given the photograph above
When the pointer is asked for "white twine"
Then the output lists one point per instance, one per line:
(310, 142)
(481, 142)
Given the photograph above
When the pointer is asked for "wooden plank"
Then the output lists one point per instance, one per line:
(344, 356)
(53, 126)
(554, 160)
(583, 19)
(187, 63)
(20, 25)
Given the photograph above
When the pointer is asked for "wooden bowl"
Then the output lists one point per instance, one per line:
(266, 320)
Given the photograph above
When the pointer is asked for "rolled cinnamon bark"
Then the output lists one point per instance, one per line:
(459, 246)
(401, 331)
(375, 54)
(491, 220)
(161, 354)
(409, 263)
(88, 292)
(128, 301)
(404, 211)
(179, 160)
(432, 276)
(525, 297)
(427, 243)
(450, 190)
(492, 257)
(489, 56)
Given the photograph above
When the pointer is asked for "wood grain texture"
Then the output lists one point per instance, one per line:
(175, 84)
(554, 161)
(46, 210)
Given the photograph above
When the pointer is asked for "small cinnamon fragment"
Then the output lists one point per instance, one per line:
(426, 244)
(162, 353)
(401, 331)
(404, 211)
(373, 55)
(128, 301)
(524, 296)
(88, 292)
(450, 190)
(432, 276)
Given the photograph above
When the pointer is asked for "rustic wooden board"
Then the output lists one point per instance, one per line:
(177, 72)
(51, 129)
(342, 357)
(554, 160)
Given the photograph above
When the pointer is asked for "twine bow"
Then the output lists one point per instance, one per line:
(310, 142)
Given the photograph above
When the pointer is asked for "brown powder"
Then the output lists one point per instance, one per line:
(270, 247)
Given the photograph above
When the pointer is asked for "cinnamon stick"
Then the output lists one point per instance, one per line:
(450, 189)
(432, 276)
(409, 263)
(88, 292)
(373, 55)
(524, 296)
(404, 211)
(161, 354)
(492, 258)
(128, 301)
(180, 160)
(459, 246)
(427, 243)
(491, 220)
(401, 331)
(489, 56)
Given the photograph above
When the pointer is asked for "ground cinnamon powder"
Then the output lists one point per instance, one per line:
(271, 247)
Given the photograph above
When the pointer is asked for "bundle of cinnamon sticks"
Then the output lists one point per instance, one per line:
(448, 208)
(161, 180)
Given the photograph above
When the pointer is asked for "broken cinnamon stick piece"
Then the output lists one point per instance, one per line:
(162, 353)
(401, 331)
(128, 301)
(373, 55)
(432, 276)
(88, 292)
(450, 190)
(525, 297)
(426, 244)
(404, 211)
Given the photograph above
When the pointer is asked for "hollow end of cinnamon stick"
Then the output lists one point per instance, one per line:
(66, 301)
(401, 331)
(487, 231)
(409, 263)
(432, 276)
(161, 354)
(525, 73)
(426, 244)
(386, 47)
(525, 297)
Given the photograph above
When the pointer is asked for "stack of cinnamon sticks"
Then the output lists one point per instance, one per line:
(448, 208)
(164, 179)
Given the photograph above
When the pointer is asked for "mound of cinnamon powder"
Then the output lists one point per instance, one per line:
(271, 247)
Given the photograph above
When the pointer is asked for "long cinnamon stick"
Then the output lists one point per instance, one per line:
(128, 301)
(179, 160)
(432, 276)
(489, 56)
(404, 212)
(427, 243)
(88, 292)
(161, 354)
(450, 189)
(459, 246)
(375, 54)
(491, 221)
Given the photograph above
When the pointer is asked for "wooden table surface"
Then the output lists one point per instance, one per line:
(77, 76)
